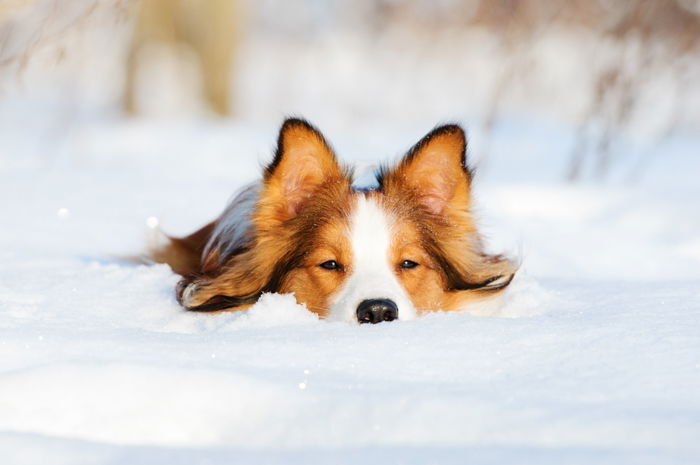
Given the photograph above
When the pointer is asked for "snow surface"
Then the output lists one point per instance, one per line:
(592, 357)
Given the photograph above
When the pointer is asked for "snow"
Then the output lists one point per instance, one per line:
(591, 357)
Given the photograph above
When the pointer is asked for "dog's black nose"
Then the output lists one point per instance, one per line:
(376, 310)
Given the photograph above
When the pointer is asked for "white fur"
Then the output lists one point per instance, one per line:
(372, 275)
(233, 228)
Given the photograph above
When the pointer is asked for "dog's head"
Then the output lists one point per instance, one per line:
(407, 247)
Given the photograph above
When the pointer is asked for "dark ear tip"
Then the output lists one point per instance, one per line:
(295, 122)
(449, 129)
(291, 127)
(454, 130)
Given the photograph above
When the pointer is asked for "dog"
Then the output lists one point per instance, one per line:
(405, 247)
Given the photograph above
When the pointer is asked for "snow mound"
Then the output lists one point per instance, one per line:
(524, 297)
(273, 310)
(136, 404)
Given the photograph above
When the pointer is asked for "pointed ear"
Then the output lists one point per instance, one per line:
(303, 162)
(435, 170)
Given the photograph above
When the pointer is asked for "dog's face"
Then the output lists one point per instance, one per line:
(408, 247)
(365, 262)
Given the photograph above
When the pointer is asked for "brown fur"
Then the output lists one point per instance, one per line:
(430, 191)
(301, 219)
(184, 254)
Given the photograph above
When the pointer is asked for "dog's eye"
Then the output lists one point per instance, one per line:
(407, 264)
(331, 265)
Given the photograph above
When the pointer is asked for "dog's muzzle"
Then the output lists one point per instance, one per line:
(376, 311)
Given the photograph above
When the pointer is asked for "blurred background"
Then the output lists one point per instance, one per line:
(607, 82)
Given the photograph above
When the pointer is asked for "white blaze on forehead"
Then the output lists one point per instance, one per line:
(371, 272)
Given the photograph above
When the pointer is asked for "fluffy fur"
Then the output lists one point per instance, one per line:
(304, 230)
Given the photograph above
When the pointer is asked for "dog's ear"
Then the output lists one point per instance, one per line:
(435, 170)
(434, 175)
(303, 162)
